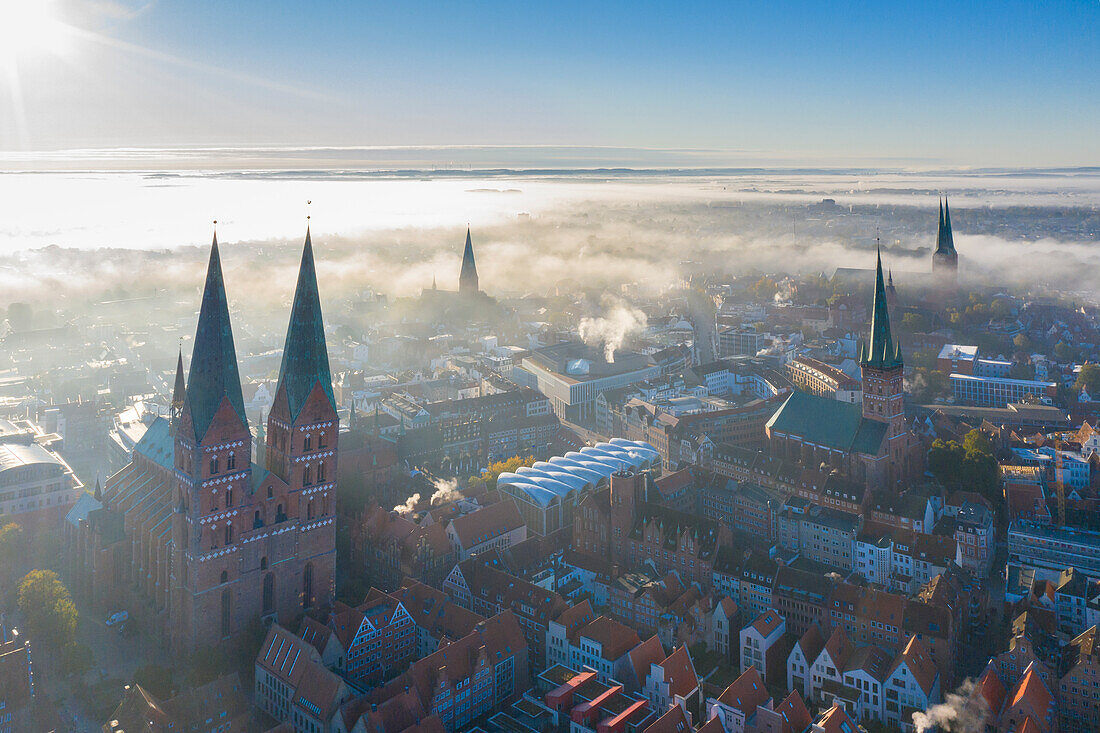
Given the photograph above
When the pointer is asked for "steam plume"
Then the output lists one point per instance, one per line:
(961, 712)
(409, 506)
(612, 330)
(445, 491)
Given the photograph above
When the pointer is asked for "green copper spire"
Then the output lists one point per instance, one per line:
(945, 241)
(881, 352)
(214, 374)
(305, 355)
(467, 278)
(948, 237)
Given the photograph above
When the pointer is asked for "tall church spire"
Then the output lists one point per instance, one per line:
(179, 394)
(948, 237)
(467, 278)
(214, 376)
(305, 355)
(881, 352)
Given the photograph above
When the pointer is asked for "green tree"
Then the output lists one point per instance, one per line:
(1063, 351)
(914, 323)
(11, 543)
(1088, 379)
(48, 609)
(976, 440)
(981, 473)
(764, 289)
(945, 461)
(489, 477)
(1023, 343)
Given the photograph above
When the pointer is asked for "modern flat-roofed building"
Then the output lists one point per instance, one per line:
(573, 374)
(1050, 550)
(36, 484)
(999, 391)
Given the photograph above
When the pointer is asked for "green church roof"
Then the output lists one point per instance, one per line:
(828, 422)
(305, 355)
(214, 374)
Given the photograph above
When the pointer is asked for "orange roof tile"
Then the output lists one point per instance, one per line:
(918, 659)
(767, 622)
(797, 718)
(642, 656)
(680, 673)
(746, 693)
(614, 638)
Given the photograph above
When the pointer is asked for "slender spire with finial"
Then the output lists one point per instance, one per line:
(305, 353)
(467, 278)
(214, 376)
(881, 351)
(948, 237)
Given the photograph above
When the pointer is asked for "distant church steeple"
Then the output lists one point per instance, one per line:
(467, 278)
(945, 260)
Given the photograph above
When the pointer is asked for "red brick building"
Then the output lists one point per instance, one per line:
(192, 534)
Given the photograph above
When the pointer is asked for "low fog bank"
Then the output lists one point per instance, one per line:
(600, 245)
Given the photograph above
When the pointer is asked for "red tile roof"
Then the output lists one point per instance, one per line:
(811, 643)
(647, 653)
(746, 693)
(767, 622)
(486, 523)
(835, 720)
(680, 673)
(614, 638)
(797, 718)
(1030, 693)
(991, 690)
(918, 659)
(575, 618)
(673, 721)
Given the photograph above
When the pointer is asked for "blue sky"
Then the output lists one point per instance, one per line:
(978, 83)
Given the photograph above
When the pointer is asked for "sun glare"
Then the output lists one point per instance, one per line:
(29, 27)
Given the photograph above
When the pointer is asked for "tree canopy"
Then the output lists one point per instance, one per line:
(970, 466)
(489, 477)
(1088, 379)
(48, 609)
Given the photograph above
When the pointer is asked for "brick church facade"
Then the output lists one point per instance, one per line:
(192, 536)
(870, 443)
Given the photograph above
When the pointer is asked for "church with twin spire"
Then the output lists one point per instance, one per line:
(194, 538)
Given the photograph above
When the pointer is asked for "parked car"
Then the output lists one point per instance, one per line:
(118, 617)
